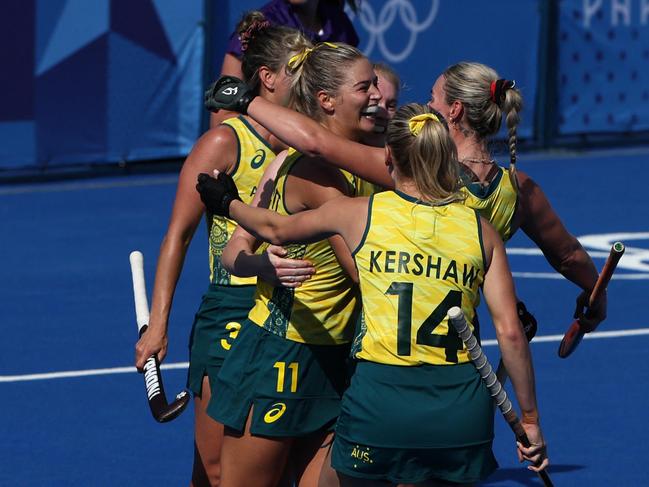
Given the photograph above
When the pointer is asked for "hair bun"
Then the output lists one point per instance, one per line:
(249, 33)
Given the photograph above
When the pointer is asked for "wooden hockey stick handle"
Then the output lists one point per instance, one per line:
(617, 251)
(575, 333)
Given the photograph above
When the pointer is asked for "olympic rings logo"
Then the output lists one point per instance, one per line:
(376, 27)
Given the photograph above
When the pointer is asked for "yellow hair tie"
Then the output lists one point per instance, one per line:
(297, 60)
(416, 123)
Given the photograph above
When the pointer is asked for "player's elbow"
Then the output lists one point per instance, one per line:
(512, 335)
(577, 266)
(270, 231)
(177, 239)
(576, 257)
(276, 234)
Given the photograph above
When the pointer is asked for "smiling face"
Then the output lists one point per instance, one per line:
(388, 104)
(353, 108)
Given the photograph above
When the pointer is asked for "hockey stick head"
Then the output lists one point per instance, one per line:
(162, 411)
(571, 339)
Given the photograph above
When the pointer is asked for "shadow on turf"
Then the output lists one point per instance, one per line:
(522, 476)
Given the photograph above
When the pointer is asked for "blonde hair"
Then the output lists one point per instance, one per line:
(266, 45)
(324, 68)
(470, 83)
(388, 73)
(428, 158)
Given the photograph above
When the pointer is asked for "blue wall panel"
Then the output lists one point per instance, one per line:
(71, 105)
(100, 81)
(603, 66)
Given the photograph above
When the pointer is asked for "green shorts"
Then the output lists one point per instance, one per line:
(412, 424)
(294, 389)
(216, 325)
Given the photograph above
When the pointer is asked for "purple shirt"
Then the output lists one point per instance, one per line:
(336, 26)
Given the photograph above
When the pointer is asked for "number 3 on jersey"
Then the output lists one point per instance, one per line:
(451, 342)
(233, 327)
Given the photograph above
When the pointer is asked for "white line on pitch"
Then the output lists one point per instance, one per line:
(57, 188)
(590, 336)
(184, 365)
(554, 275)
(84, 373)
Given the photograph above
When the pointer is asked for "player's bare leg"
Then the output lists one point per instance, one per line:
(308, 457)
(328, 476)
(208, 437)
(253, 461)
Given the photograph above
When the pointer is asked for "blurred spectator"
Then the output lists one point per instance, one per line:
(319, 20)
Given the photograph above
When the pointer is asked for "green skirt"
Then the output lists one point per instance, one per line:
(293, 389)
(222, 311)
(412, 424)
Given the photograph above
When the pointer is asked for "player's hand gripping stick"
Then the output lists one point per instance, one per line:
(575, 333)
(496, 390)
(161, 410)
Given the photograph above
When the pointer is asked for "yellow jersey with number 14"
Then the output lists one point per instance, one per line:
(254, 156)
(415, 262)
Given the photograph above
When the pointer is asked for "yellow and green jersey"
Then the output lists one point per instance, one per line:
(254, 156)
(415, 262)
(320, 311)
(496, 202)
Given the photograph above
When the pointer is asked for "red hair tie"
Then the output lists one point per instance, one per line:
(498, 89)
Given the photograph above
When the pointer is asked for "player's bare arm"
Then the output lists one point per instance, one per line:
(499, 294)
(563, 251)
(239, 256)
(311, 138)
(216, 149)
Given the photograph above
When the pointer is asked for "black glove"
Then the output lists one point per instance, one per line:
(228, 93)
(217, 194)
(527, 319)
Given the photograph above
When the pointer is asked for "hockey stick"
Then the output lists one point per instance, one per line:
(498, 393)
(575, 333)
(161, 410)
